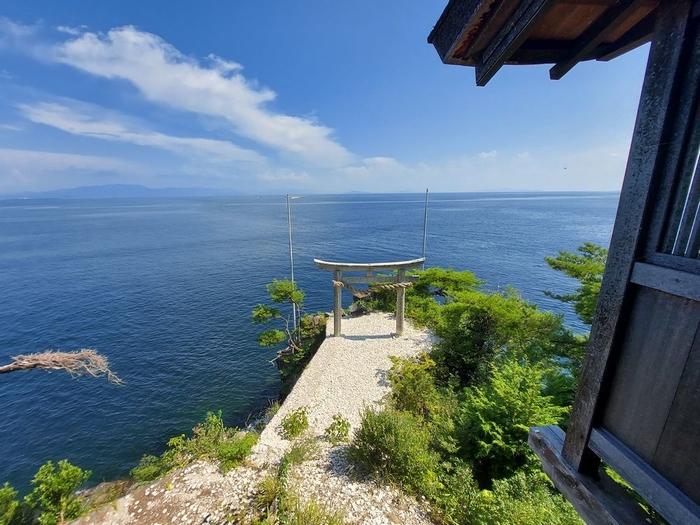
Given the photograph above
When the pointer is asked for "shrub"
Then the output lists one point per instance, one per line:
(295, 423)
(395, 446)
(9, 506)
(496, 420)
(53, 496)
(338, 431)
(234, 450)
(527, 499)
(210, 440)
(413, 385)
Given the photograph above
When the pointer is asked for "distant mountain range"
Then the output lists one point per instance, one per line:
(119, 191)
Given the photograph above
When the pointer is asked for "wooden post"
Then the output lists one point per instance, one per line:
(400, 303)
(337, 303)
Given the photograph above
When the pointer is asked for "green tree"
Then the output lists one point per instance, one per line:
(587, 267)
(54, 496)
(281, 292)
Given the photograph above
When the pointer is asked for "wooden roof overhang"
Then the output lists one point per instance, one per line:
(487, 34)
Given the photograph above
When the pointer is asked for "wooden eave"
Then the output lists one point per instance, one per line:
(487, 34)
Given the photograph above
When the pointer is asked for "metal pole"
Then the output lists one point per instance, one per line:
(291, 256)
(425, 226)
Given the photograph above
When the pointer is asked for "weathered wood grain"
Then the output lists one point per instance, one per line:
(597, 502)
(659, 334)
(677, 454)
(675, 282)
(670, 502)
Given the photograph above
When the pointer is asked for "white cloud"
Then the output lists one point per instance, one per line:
(14, 35)
(80, 120)
(69, 30)
(285, 176)
(29, 169)
(374, 167)
(165, 76)
(488, 154)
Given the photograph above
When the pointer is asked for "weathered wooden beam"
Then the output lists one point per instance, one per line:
(378, 279)
(458, 18)
(337, 304)
(640, 34)
(668, 280)
(400, 303)
(594, 35)
(668, 501)
(596, 501)
(513, 33)
(636, 198)
(363, 267)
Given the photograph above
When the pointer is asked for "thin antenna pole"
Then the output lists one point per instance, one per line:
(291, 255)
(425, 227)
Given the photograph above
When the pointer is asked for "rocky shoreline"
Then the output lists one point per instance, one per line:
(346, 375)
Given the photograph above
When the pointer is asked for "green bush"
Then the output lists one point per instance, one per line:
(496, 419)
(338, 431)
(9, 506)
(526, 499)
(394, 445)
(210, 440)
(53, 496)
(235, 449)
(295, 423)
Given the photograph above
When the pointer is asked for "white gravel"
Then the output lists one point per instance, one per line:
(346, 374)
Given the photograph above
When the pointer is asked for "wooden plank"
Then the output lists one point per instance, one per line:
(378, 279)
(594, 35)
(659, 335)
(513, 33)
(337, 303)
(678, 455)
(400, 303)
(668, 501)
(637, 191)
(675, 282)
(597, 502)
(363, 267)
(639, 35)
(458, 18)
(671, 261)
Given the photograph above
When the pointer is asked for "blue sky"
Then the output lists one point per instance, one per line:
(305, 97)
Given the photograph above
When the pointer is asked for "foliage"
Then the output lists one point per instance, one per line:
(394, 445)
(210, 440)
(53, 496)
(496, 419)
(338, 431)
(413, 385)
(526, 498)
(295, 423)
(587, 267)
(281, 292)
(301, 450)
(9, 506)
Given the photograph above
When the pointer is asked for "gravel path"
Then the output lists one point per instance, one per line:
(345, 375)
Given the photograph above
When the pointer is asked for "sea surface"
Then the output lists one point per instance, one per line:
(164, 288)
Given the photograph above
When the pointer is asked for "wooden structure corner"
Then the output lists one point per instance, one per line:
(637, 408)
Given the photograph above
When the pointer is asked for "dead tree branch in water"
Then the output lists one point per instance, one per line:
(82, 362)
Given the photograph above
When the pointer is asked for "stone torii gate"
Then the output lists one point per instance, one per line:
(399, 282)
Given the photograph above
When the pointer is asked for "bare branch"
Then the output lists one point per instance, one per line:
(82, 362)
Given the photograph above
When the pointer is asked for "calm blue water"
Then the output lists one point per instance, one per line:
(164, 288)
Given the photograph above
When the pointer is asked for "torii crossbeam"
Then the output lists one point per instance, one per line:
(400, 280)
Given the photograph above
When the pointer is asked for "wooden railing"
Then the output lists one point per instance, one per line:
(400, 280)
